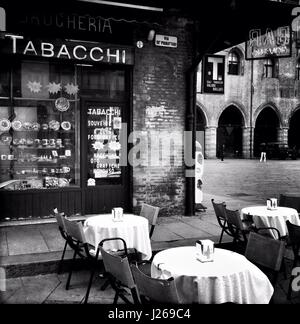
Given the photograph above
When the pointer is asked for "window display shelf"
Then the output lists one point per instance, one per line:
(43, 157)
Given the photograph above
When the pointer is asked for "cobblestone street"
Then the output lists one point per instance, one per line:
(250, 180)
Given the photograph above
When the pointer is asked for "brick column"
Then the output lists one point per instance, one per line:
(282, 135)
(210, 142)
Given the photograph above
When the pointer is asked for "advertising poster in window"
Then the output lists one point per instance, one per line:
(268, 43)
(213, 74)
(104, 126)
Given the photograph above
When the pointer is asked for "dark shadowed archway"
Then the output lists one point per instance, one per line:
(294, 131)
(229, 132)
(200, 127)
(266, 128)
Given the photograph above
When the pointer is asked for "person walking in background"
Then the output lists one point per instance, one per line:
(263, 154)
(222, 149)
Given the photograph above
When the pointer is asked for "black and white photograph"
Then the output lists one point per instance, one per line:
(150, 155)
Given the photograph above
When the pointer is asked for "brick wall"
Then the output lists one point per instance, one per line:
(159, 103)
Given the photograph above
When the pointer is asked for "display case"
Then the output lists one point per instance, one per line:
(38, 131)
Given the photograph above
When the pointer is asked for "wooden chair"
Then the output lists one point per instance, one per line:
(266, 253)
(61, 226)
(294, 239)
(152, 290)
(76, 240)
(118, 271)
(220, 213)
(239, 229)
(290, 200)
(151, 213)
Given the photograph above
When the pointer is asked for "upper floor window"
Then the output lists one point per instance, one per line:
(270, 68)
(234, 63)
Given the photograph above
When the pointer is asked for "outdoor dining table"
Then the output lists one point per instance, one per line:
(264, 217)
(133, 229)
(229, 278)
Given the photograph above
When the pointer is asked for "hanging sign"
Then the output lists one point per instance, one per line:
(213, 74)
(268, 43)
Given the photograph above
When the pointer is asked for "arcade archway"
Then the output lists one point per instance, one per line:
(229, 132)
(200, 128)
(294, 131)
(266, 128)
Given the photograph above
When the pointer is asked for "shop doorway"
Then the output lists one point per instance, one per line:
(229, 132)
(294, 132)
(104, 112)
(266, 129)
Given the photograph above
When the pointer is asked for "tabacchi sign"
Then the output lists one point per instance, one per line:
(268, 42)
(66, 49)
(213, 74)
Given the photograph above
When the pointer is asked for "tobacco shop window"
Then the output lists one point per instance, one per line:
(234, 63)
(39, 135)
(102, 83)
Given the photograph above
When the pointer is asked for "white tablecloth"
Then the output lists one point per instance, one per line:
(133, 229)
(229, 278)
(263, 217)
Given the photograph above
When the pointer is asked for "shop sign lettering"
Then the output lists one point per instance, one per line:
(69, 50)
(269, 42)
(69, 21)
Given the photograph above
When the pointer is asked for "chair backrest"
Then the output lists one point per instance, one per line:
(265, 252)
(233, 218)
(219, 209)
(155, 290)
(294, 236)
(118, 267)
(151, 213)
(60, 220)
(75, 230)
(290, 200)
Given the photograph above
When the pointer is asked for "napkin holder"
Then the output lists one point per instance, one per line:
(205, 250)
(117, 214)
(272, 204)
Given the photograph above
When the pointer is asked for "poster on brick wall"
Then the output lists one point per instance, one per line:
(103, 146)
(213, 74)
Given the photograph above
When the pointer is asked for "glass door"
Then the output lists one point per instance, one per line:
(105, 110)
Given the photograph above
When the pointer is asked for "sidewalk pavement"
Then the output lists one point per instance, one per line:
(25, 245)
(30, 255)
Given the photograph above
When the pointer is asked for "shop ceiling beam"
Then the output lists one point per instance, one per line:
(124, 5)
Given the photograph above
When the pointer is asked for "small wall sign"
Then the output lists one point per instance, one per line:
(165, 41)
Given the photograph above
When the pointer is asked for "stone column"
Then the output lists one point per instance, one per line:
(210, 142)
(282, 135)
(247, 146)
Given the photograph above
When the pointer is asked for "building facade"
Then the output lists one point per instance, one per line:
(92, 109)
(260, 104)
